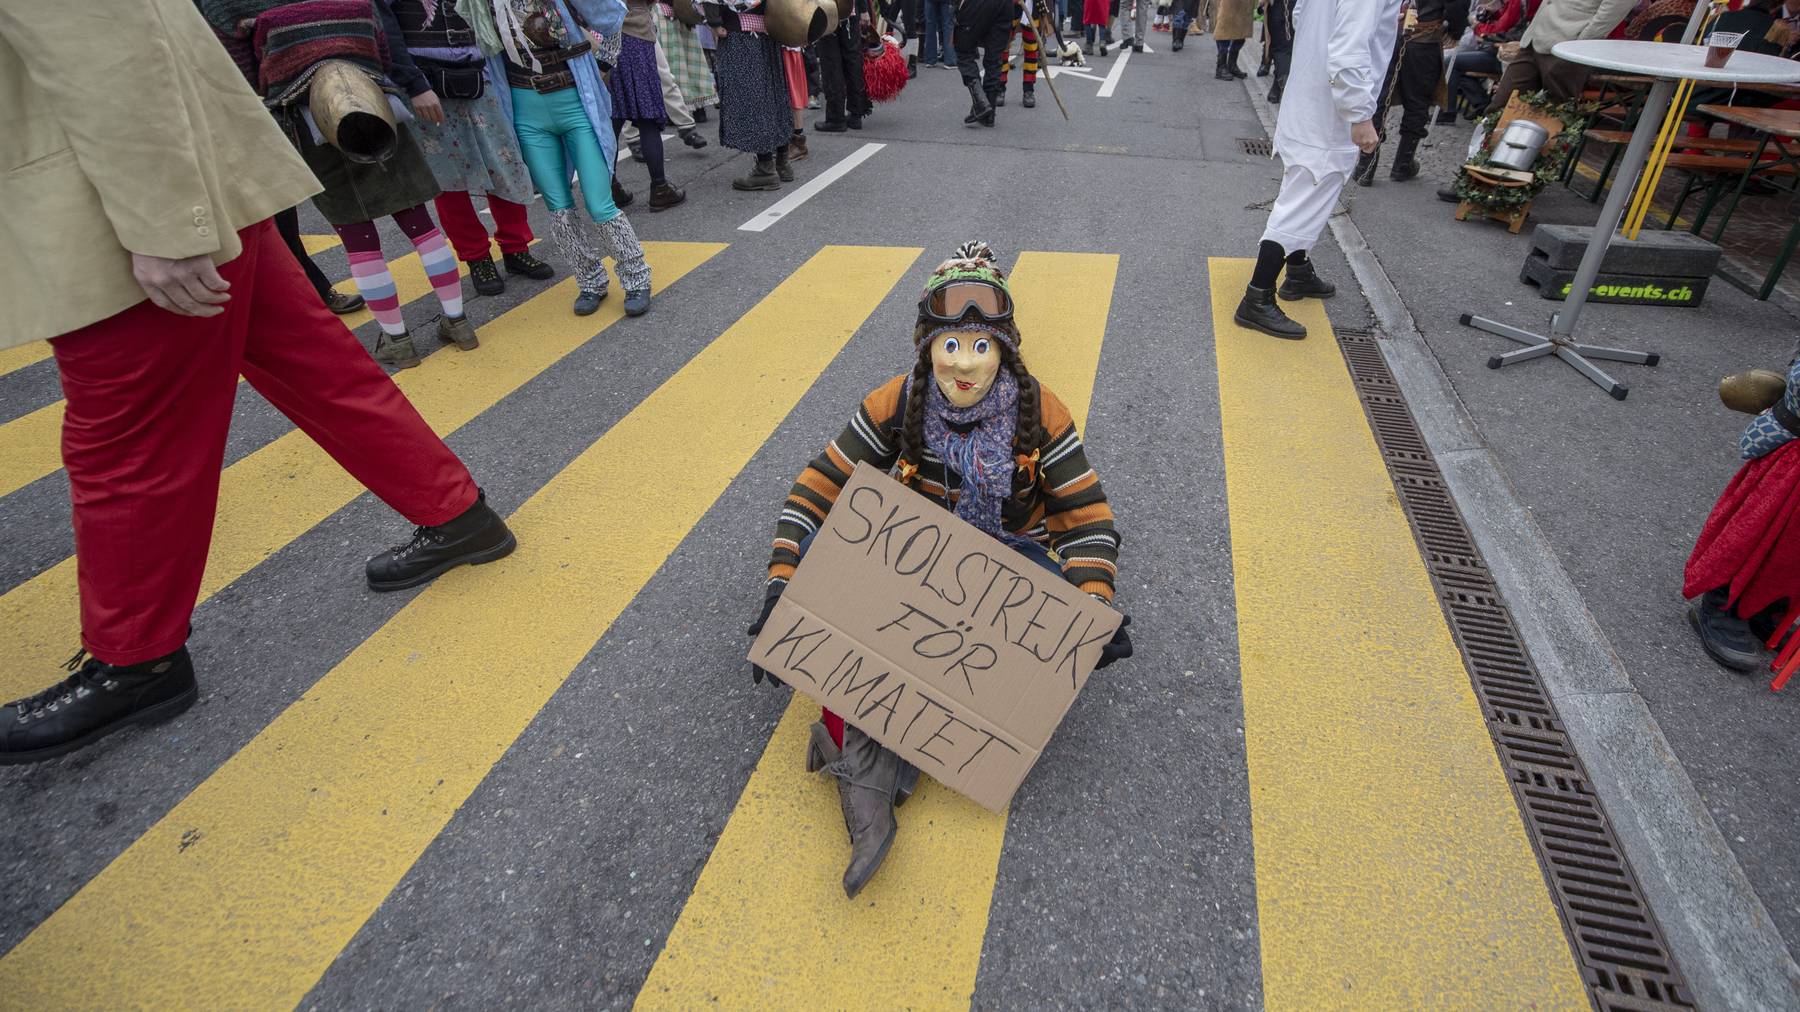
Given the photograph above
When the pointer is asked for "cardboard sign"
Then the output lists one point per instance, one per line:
(935, 639)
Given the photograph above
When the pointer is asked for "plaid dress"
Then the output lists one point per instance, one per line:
(687, 60)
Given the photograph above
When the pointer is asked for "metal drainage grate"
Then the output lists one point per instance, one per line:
(1624, 959)
(1261, 147)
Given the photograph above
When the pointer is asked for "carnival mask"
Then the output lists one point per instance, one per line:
(964, 363)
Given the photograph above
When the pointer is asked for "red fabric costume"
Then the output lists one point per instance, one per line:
(1751, 542)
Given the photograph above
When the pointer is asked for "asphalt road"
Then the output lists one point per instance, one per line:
(1126, 874)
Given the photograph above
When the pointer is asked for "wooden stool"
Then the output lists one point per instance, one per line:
(1497, 179)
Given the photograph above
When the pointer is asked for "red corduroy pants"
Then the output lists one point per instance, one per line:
(150, 395)
(469, 237)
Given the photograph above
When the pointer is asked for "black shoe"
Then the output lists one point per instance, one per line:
(1179, 44)
(93, 702)
(1258, 311)
(486, 277)
(988, 119)
(1137, 47)
(912, 66)
(998, 100)
(622, 197)
(1222, 72)
(665, 195)
(1726, 638)
(341, 303)
(1366, 163)
(700, 114)
(1262, 71)
(1404, 171)
(1275, 95)
(475, 537)
(826, 126)
(692, 138)
(1302, 281)
(854, 123)
(1448, 195)
(528, 265)
(1029, 100)
(1446, 117)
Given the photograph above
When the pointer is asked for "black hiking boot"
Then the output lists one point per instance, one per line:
(528, 265)
(1258, 311)
(475, 537)
(1302, 281)
(93, 702)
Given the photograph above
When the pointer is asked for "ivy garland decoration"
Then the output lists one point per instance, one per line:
(1575, 117)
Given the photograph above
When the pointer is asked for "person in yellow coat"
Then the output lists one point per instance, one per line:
(139, 176)
(1233, 21)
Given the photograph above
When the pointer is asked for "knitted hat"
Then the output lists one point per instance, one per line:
(973, 261)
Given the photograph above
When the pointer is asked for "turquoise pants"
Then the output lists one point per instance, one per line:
(550, 127)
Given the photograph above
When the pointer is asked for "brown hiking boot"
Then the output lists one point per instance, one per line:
(458, 331)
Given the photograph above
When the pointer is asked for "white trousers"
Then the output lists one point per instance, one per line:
(1303, 207)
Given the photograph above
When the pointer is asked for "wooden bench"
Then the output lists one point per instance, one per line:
(1617, 139)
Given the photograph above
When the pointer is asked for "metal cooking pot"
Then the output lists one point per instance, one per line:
(1519, 145)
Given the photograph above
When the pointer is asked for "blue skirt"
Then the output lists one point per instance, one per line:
(636, 88)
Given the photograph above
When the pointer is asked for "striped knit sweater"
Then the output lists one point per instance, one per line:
(1061, 505)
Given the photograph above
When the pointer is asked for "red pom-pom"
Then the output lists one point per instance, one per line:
(884, 73)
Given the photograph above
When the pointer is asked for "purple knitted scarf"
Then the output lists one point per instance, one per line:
(982, 455)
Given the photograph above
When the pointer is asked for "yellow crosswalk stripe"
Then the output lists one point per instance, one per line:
(16, 358)
(30, 445)
(767, 925)
(1392, 868)
(247, 890)
(282, 490)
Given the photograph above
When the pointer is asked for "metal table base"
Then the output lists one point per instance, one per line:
(1560, 341)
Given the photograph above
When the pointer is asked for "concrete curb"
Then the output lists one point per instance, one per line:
(1718, 929)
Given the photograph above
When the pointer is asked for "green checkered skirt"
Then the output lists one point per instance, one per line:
(687, 61)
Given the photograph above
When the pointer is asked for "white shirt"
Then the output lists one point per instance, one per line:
(1341, 53)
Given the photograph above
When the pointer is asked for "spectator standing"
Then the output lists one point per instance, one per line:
(984, 27)
(637, 97)
(144, 240)
(938, 46)
(1232, 22)
(754, 111)
(840, 54)
(1418, 67)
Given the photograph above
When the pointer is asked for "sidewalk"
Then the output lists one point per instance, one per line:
(1617, 491)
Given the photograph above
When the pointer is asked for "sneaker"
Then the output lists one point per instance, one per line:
(1725, 637)
(486, 277)
(395, 350)
(342, 302)
(528, 265)
(96, 700)
(459, 331)
(637, 303)
(588, 303)
(475, 537)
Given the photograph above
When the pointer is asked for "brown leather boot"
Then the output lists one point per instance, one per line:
(866, 775)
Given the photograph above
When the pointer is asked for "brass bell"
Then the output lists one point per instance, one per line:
(686, 12)
(1753, 391)
(352, 112)
(800, 23)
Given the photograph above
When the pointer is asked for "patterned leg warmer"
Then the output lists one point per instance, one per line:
(569, 230)
(627, 253)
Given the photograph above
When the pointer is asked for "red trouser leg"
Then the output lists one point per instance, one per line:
(512, 228)
(468, 236)
(149, 399)
(833, 724)
(306, 363)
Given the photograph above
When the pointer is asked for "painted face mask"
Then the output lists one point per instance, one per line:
(964, 363)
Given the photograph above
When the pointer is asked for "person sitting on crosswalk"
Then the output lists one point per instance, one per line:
(968, 407)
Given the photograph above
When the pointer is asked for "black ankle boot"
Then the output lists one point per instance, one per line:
(1406, 164)
(1725, 637)
(486, 277)
(1366, 164)
(93, 702)
(1222, 72)
(979, 106)
(1179, 41)
(1301, 281)
(1258, 311)
(528, 265)
(475, 537)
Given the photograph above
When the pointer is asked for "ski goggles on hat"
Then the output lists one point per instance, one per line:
(951, 301)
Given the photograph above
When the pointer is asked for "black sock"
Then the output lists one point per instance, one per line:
(1296, 258)
(1269, 258)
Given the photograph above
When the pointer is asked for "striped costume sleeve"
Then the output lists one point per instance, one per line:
(1076, 512)
(868, 437)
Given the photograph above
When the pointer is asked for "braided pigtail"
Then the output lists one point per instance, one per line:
(912, 425)
(1028, 434)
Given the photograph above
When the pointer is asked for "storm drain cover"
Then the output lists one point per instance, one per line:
(1624, 959)
(1261, 147)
